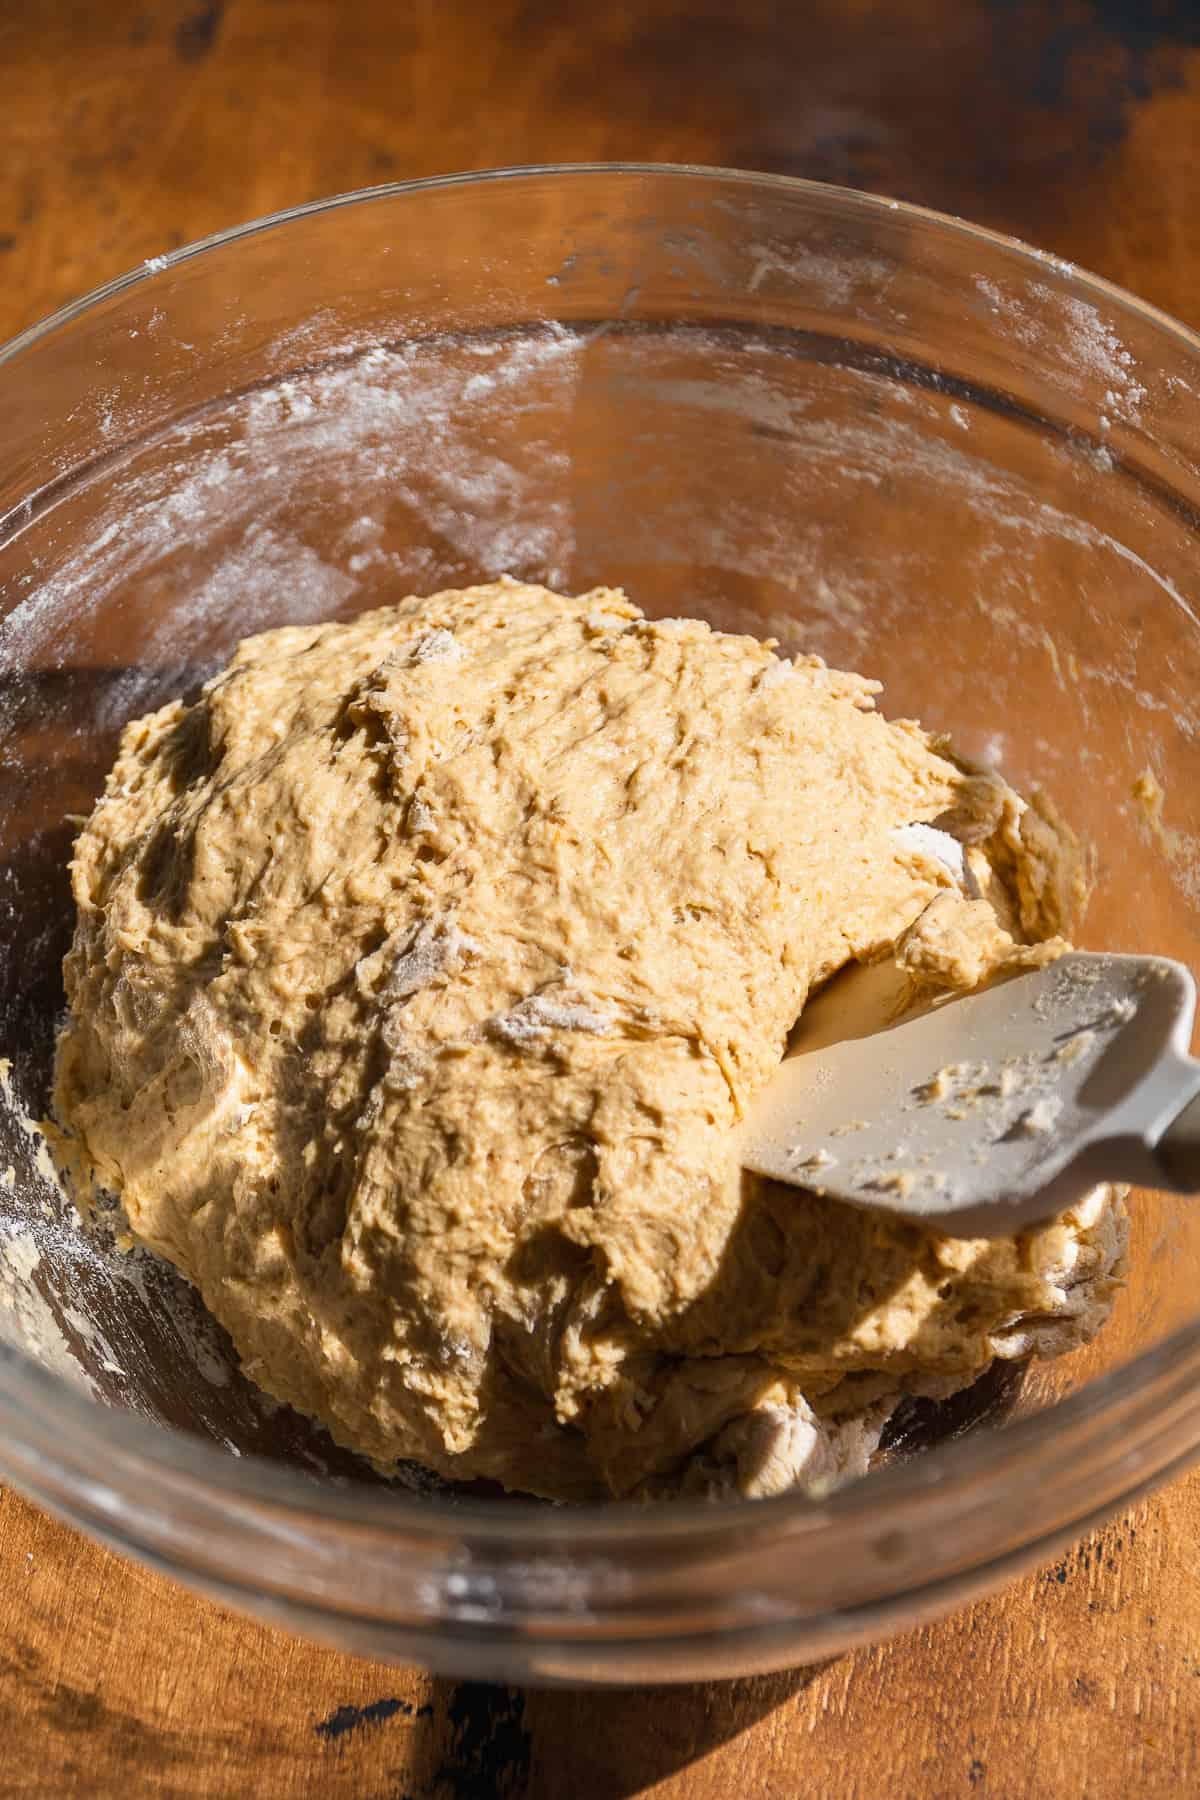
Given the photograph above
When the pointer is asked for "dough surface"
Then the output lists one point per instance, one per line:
(422, 969)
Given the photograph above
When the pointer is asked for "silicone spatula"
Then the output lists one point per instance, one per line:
(990, 1111)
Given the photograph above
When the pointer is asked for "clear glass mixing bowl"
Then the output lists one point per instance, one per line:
(863, 429)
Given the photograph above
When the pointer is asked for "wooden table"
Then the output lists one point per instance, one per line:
(132, 126)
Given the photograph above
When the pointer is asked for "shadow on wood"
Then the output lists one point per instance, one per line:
(511, 1743)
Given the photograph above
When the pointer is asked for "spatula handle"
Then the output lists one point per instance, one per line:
(1178, 1149)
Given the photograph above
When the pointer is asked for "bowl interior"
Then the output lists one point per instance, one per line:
(868, 434)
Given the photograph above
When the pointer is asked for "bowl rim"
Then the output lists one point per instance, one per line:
(983, 1457)
(854, 198)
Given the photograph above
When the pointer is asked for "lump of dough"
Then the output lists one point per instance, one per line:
(423, 969)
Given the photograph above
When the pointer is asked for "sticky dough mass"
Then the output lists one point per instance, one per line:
(423, 968)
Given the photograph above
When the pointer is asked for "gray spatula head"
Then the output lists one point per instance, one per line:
(996, 1109)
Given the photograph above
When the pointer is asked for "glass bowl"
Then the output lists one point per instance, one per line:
(868, 431)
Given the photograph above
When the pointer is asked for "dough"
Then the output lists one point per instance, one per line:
(423, 968)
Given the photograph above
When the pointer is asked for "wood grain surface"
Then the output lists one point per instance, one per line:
(135, 125)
